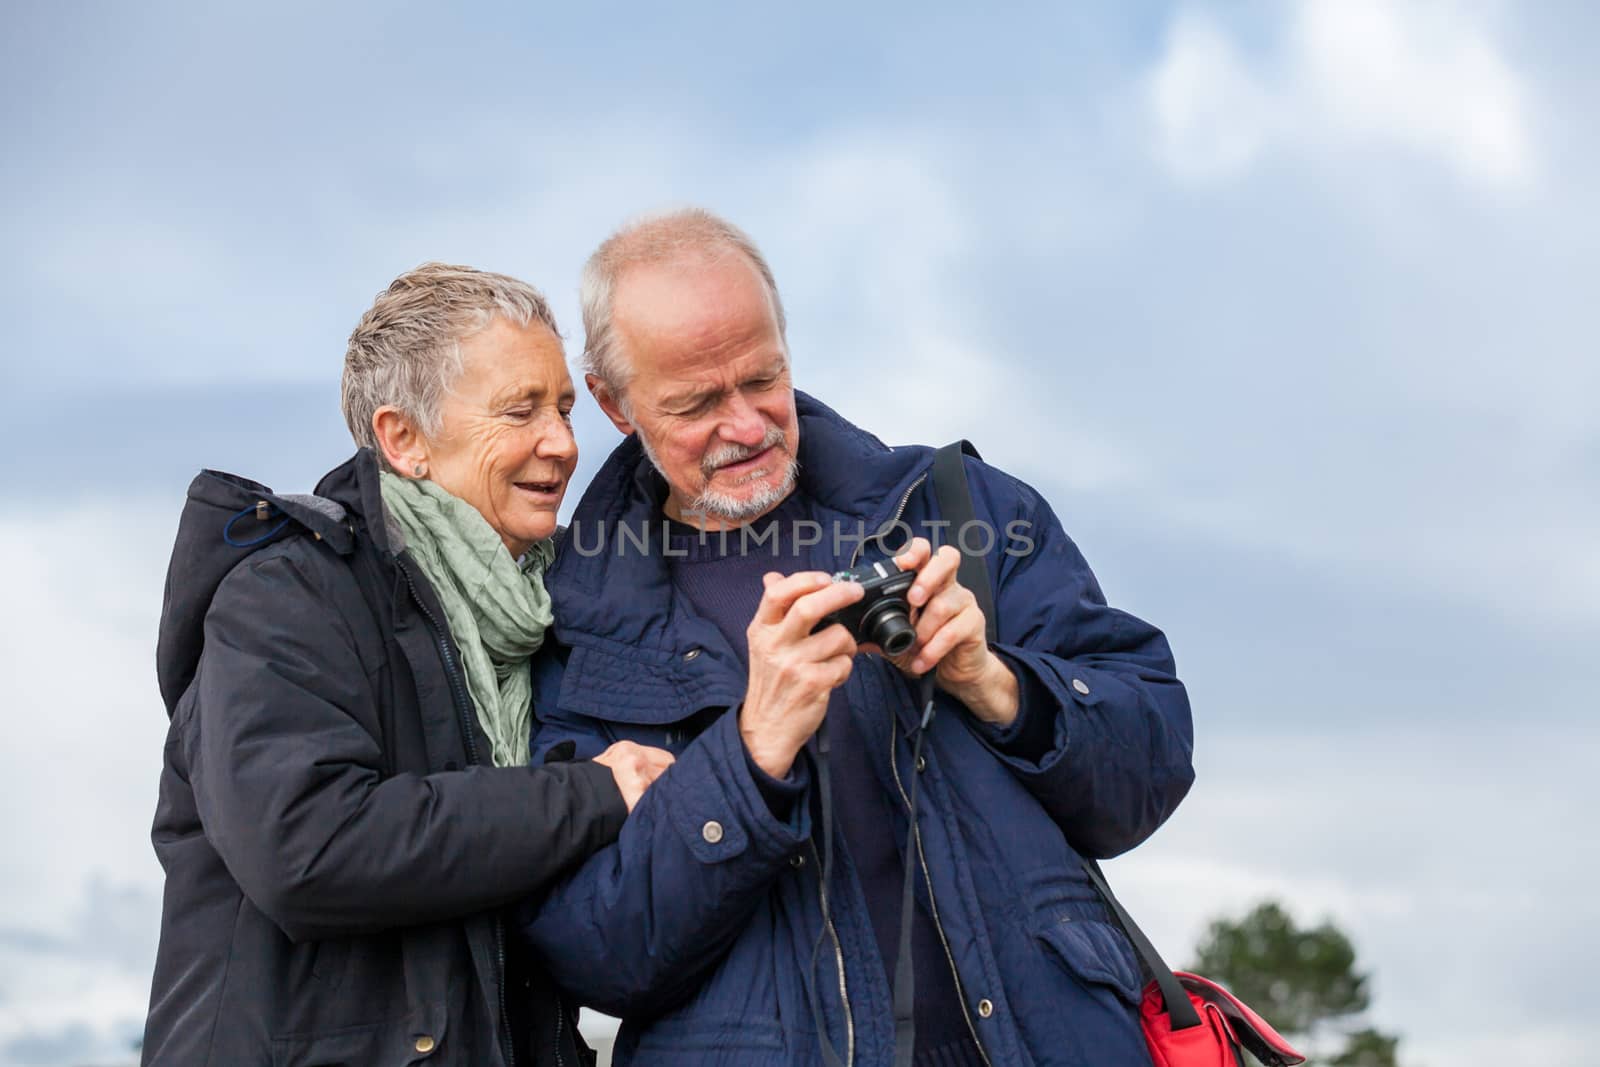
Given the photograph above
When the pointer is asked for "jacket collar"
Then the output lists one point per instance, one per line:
(353, 485)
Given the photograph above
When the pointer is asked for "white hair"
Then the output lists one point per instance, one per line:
(406, 350)
(686, 234)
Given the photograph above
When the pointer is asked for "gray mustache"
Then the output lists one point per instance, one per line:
(735, 453)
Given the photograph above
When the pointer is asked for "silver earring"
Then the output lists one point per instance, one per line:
(418, 469)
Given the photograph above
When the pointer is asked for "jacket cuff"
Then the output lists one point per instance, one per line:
(1031, 735)
(597, 785)
(719, 809)
(1053, 694)
(779, 793)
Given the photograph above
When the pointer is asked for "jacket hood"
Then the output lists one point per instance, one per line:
(225, 520)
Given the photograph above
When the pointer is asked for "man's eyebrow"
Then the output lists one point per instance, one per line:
(516, 392)
(689, 397)
(770, 370)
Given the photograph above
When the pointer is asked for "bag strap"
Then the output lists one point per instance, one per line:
(954, 496)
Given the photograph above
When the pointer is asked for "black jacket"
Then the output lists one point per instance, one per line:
(335, 845)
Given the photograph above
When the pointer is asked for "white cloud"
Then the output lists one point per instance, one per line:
(1212, 114)
(1427, 78)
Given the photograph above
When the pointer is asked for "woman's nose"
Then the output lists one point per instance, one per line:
(557, 443)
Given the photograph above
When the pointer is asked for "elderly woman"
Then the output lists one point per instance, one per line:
(346, 800)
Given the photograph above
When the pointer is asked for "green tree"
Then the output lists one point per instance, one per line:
(1303, 981)
(1368, 1048)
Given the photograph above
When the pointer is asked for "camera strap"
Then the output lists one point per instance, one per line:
(954, 496)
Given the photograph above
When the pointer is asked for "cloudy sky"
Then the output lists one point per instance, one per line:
(1289, 309)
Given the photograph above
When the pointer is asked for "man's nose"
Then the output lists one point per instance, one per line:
(741, 423)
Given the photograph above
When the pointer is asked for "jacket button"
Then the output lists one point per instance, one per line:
(1080, 686)
(985, 1007)
(922, 763)
(692, 654)
(711, 831)
(425, 1044)
(797, 860)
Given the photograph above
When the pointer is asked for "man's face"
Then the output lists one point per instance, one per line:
(711, 397)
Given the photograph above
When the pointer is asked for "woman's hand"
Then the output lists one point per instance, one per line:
(634, 767)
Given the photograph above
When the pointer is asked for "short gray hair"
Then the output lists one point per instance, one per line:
(687, 233)
(406, 350)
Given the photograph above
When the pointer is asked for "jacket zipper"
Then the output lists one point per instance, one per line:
(838, 955)
(463, 704)
(561, 1014)
(933, 906)
(905, 499)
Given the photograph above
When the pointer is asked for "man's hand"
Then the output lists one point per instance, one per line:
(634, 767)
(951, 636)
(792, 670)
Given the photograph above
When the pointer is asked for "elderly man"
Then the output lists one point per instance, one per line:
(691, 598)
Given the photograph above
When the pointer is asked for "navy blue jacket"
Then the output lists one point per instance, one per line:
(700, 925)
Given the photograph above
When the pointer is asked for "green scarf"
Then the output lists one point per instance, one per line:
(497, 610)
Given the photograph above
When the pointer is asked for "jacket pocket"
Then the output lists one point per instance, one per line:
(1094, 953)
(413, 1039)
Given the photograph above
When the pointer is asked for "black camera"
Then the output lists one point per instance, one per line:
(882, 616)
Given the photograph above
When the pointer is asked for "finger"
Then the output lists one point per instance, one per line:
(914, 555)
(952, 601)
(811, 608)
(830, 643)
(832, 671)
(783, 592)
(964, 628)
(935, 576)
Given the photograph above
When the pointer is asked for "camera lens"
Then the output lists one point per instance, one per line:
(890, 629)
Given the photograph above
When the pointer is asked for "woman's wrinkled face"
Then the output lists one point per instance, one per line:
(505, 441)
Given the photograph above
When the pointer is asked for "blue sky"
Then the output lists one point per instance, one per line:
(1287, 308)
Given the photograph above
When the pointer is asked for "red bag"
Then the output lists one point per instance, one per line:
(1223, 1024)
(1189, 1021)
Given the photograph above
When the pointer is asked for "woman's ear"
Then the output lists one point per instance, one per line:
(401, 443)
(608, 403)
